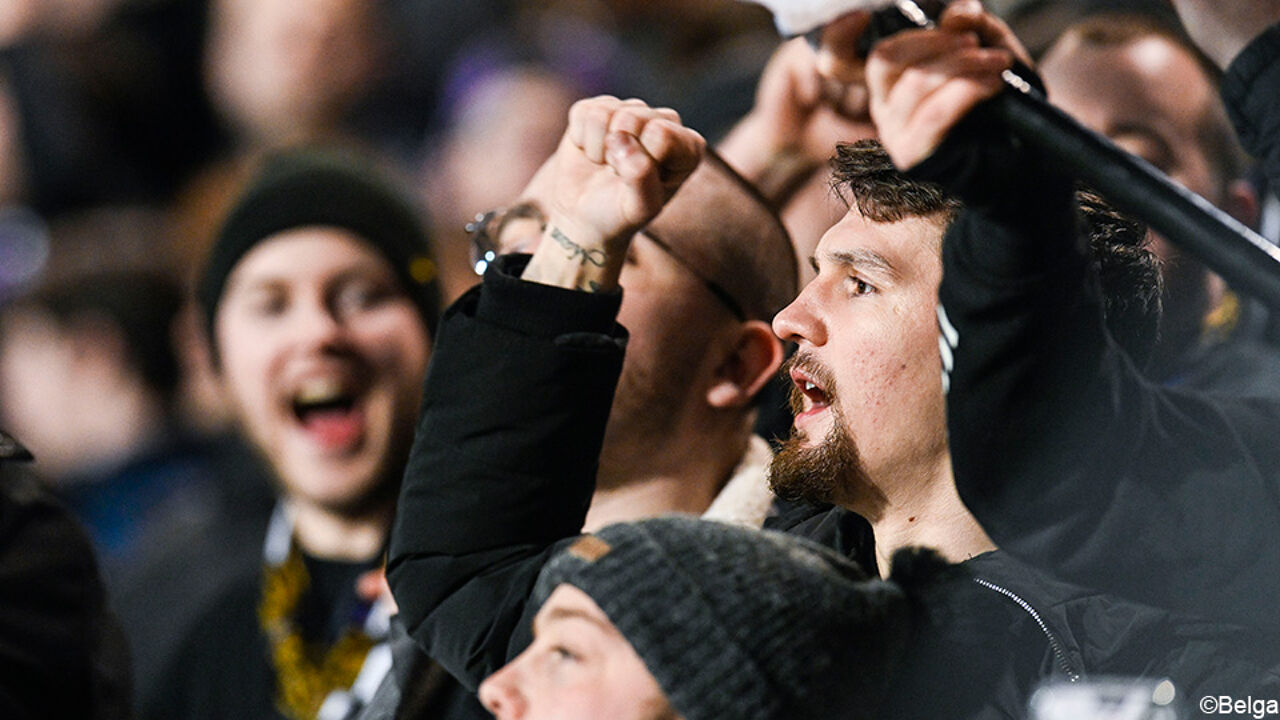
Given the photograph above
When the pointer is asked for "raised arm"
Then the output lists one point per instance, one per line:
(618, 163)
(521, 382)
(792, 128)
(1060, 448)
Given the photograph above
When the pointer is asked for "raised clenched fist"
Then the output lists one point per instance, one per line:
(617, 165)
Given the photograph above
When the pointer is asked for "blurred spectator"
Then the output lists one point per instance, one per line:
(317, 299)
(1037, 23)
(61, 653)
(21, 19)
(1141, 83)
(433, 35)
(702, 58)
(89, 376)
(286, 71)
(460, 177)
(109, 101)
(89, 372)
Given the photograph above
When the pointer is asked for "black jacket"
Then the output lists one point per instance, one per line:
(503, 464)
(1000, 627)
(1068, 457)
(503, 470)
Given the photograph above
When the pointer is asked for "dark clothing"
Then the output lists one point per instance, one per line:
(1069, 458)
(1249, 89)
(1237, 366)
(525, 450)
(222, 666)
(844, 531)
(204, 531)
(503, 464)
(1004, 627)
(127, 509)
(416, 688)
(62, 655)
(166, 599)
(1056, 629)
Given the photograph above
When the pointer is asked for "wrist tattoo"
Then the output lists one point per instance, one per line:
(595, 257)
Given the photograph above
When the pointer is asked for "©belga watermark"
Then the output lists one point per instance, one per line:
(1257, 708)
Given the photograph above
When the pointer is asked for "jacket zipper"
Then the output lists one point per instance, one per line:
(1059, 653)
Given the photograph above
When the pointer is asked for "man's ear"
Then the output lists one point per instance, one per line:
(754, 356)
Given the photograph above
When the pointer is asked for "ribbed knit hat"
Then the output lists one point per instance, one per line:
(741, 624)
(313, 187)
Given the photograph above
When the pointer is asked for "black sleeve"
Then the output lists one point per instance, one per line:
(503, 463)
(1068, 457)
(1251, 91)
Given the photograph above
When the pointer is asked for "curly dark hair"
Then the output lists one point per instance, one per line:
(1129, 274)
(866, 178)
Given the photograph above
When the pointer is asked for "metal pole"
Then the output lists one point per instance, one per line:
(1243, 258)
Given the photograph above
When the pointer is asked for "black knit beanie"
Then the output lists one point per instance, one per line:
(312, 187)
(741, 624)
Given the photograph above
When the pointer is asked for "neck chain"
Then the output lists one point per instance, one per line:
(306, 673)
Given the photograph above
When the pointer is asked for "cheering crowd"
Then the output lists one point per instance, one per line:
(847, 403)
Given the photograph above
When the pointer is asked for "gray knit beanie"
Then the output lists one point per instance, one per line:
(304, 187)
(741, 624)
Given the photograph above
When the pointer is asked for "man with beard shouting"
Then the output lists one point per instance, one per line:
(515, 405)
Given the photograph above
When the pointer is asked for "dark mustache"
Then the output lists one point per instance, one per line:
(806, 362)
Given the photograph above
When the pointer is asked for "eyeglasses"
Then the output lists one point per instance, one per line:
(486, 228)
(483, 249)
(716, 289)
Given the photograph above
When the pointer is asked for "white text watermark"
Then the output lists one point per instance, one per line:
(1257, 708)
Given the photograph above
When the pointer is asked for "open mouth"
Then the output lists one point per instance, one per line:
(808, 396)
(329, 412)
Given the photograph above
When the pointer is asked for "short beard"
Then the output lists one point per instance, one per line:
(819, 474)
